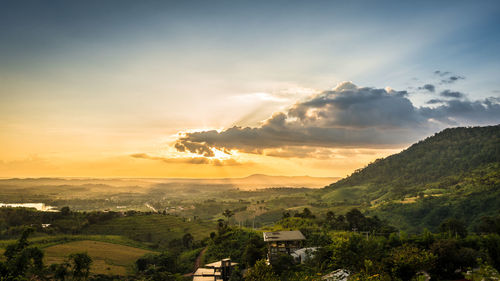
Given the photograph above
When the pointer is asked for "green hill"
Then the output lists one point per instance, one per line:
(455, 173)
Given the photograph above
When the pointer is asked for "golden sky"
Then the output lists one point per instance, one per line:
(172, 89)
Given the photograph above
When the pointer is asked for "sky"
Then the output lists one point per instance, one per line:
(233, 88)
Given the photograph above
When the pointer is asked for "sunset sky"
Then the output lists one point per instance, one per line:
(233, 88)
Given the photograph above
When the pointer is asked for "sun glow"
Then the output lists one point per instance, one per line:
(220, 155)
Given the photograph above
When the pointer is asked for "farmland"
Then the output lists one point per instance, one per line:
(107, 257)
(155, 229)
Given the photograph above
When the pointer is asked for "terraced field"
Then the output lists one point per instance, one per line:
(157, 229)
(107, 258)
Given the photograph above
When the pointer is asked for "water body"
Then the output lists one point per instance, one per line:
(39, 206)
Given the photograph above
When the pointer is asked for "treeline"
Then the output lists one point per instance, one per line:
(13, 221)
(353, 220)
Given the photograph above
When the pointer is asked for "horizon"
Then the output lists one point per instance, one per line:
(186, 178)
(200, 90)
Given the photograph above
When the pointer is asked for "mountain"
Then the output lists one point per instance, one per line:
(287, 181)
(453, 174)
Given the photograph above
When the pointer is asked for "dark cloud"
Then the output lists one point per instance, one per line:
(434, 101)
(348, 116)
(429, 87)
(316, 152)
(451, 94)
(442, 73)
(457, 112)
(188, 160)
(197, 148)
(492, 101)
(448, 77)
(452, 79)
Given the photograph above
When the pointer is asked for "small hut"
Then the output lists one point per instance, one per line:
(282, 242)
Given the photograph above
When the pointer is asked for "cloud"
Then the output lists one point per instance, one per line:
(316, 152)
(195, 148)
(434, 101)
(451, 94)
(452, 79)
(457, 112)
(429, 87)
(442, 73)
(448, 77)
(188, 160)
(345, 117)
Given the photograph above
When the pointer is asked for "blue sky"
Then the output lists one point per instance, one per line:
(130, 75)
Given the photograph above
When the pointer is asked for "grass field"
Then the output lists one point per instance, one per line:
(159, 229)
(47, 241)
(107, 258)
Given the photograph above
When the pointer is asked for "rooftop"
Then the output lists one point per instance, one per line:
(218, 264)
(283, 236)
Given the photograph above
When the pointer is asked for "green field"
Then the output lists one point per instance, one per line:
(107, 258)
(158, 230)
(45, 241)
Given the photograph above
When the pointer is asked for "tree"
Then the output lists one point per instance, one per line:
(80, 265)
(355, 219)
(282, 264)
(453, 227)
(306, 214)
(22, 260)
(285, 215)
(330, 216)
(261, 272)
(489, 224)
(236, 274)
(451, 258)
(221, 226)
(65, 211)
(407, 260)
(187, 240)
(485, 272)
(228, 213)
(59, 271)
(254, 251)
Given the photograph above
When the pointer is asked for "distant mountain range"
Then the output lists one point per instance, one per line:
(255, 181)
(455, 173)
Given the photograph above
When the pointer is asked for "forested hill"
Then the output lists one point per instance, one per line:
(449, 153)
(453, 174)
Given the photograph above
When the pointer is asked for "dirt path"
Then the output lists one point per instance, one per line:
(197, 263)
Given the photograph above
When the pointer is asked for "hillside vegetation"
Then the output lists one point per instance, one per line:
(455, 173)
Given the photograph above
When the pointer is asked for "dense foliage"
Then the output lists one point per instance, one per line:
(453, 174)
(448, 153)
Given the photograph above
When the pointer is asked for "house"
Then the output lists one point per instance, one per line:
(304, 254)
(220, 270)
(282, 242)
